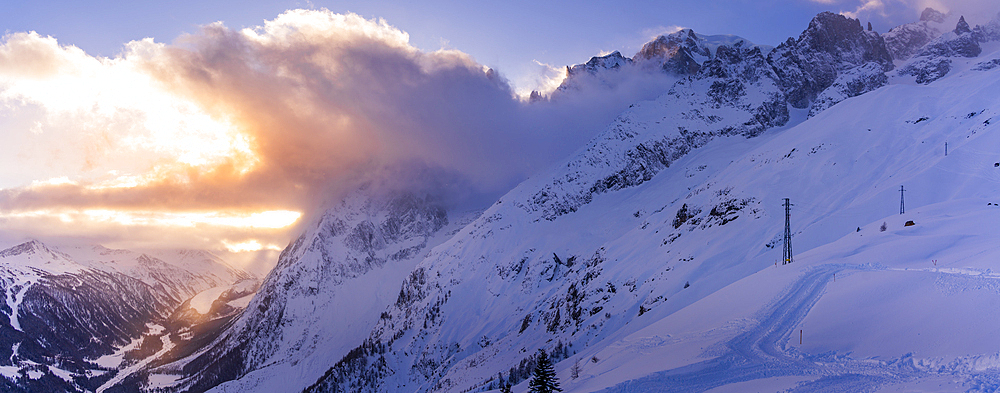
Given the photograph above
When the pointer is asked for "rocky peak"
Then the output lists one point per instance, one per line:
(843, 38)
(667, 45)
(674, 53)
(737, 61)
(31, 247)
(932, 15)
(830, 46)
(962, 27)
(596, 64)
(989, 31)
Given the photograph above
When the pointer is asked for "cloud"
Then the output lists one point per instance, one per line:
(652, 33)
(868, 6)
(546, 79)
(285, 116)
(896, 12)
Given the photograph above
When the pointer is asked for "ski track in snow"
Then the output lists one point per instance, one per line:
(14, 299)
(759, 353)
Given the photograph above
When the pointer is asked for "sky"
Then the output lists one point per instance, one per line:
(226, 125)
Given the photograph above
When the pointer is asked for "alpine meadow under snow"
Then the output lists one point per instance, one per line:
(649, 260)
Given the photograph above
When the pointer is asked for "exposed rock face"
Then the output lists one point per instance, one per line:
(830, 45)
(675, 53)
(904, 41)
(987, 65)
(962, 27)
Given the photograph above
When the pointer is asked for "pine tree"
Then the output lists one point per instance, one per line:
(504, 385)
(544, 378)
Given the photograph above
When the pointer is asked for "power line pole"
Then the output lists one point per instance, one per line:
(787, 252)
(946, 149)
(902, 207)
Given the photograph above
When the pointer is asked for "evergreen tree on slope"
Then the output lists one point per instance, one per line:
(544, 378)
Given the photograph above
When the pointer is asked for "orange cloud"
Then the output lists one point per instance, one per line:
(284, 116)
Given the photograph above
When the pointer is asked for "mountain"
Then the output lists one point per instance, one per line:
(671, 283)
(935, 59)
(833, 59)
(325, 294)
(645, 261)
(71, 315)
(668, 57)
(542, 267)
(905, 40)
(179, 273)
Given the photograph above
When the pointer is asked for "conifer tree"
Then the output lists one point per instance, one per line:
(504, 385)
(544, 379)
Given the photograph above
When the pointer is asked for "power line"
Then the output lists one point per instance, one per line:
(787, 252)
(902, 207)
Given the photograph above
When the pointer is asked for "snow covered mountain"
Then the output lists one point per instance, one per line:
(671, 283)
(935, 59)
(325, 294)
(669, 56)
(833, 59)
(68, 310)
(179, 273)
(905, 40)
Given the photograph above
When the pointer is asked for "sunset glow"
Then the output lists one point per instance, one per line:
(274, 219)
(249, 246)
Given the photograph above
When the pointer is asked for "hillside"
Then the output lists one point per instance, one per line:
(671, 282)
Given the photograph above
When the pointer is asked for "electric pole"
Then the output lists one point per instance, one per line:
(787, 252)
(902, 207)
(946, 149)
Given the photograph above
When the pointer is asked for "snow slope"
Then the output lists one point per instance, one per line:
(646, 279)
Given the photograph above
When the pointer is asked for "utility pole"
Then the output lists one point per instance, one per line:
(902, 207)
(946, 149)
(787, 252)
